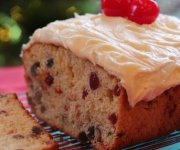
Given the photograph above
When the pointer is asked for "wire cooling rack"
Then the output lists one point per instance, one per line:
(168, 142)
(67, 143)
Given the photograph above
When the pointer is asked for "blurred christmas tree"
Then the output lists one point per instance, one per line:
(19, 18)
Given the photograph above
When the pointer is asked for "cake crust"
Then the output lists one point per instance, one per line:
(148, 119)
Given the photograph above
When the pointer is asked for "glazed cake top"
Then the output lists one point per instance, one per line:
(146, 58)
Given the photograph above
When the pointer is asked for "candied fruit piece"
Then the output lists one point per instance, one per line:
(83, 137)
(85, 93)
(58, 91)
(49, 80)
(90, 133)
(36, 130)
(50, 62)
(94, 81)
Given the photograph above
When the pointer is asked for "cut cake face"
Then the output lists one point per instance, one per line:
(18, 131)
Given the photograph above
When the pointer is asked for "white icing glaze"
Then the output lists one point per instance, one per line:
(145, 57)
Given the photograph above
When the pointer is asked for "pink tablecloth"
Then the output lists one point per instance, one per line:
(12, 80)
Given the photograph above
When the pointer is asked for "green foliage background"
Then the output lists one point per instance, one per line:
(19, 19)
(27, 15)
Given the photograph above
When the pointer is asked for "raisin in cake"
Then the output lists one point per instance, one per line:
(106, 80)
(18, 131)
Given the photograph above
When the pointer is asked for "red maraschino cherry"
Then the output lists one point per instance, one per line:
(115, 7)
(143, 11)
(139, 11)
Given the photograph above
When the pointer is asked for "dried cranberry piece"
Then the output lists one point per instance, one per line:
(117, 90)
(94, 81)
(83, 137)
(113, 118)
(34, 68)
(85, 93)
(58, 91)
(49, 80)
(50, 62)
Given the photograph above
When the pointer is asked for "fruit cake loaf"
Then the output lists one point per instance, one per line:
(106, 80)
(18, 131)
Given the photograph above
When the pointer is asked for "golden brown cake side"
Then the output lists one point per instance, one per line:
(18, 130)
(86, 102)
(148, 120)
